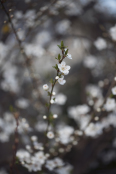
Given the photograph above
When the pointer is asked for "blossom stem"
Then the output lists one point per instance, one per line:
(49, 105)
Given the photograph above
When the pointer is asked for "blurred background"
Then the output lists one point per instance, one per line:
(27, 55)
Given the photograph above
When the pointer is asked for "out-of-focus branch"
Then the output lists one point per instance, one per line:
(39, 15)
(35, 80)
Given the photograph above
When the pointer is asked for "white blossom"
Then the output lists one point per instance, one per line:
(4, 137)
(61, 80)
(52, 101)
(24, 126)
(31, 162)
(50, 164)
(21, 34)
(22, 154)
(93, 91)
(45, 87)
(41, 125)
(53, 93)
(40, 157)
(78, 113)
(100, 43)
(61, 99)
(94, 130)
(50, 135)
(63, 68)
(65, 133)
(63, 26)
(44, 117)
(30, 16)
(110, 104)
(55, 116)
(56, 162)
(57, 77)
(34, 138)
(18, 14)
(22, 103)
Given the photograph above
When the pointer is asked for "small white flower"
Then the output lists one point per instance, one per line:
(52, 101)
(61, 99)
(34, 138)
(22, 154)
(28, 147)
(44, 117)
(110, 104)
(114, 90)
(40, 157)
(100, 43)
(63, 26)
(58, 162)
(61, 80)
(50, 135)
(57, 77)
(45, 87)
(63, 68)
(93, 130)
(64, 134)
(22, 103)
(50, 164)
(53, 93)
(55, 116)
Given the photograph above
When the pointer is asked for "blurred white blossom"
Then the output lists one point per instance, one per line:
(61, 99)
(90, 62)
(63, 26)
(22, 103)
(100, 43)
(110, 104)
(113, 32)
(61, 80)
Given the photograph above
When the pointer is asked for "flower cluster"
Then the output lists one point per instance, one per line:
(32, 162)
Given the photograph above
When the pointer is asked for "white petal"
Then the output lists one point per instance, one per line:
(59, 66)
(68, 67)
(63, 63)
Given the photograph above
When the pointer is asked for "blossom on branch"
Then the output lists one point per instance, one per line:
(61, 80)
(63, 68)
(45, 87)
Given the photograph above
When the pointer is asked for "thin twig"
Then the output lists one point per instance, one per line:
(49, 104)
